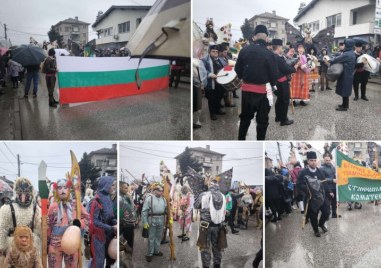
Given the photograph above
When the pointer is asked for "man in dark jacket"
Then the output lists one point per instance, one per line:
(256, 66)
(283, 92)
(315, 205)
(361, 76)
(213, 90)
(51, 70)
(329, 173)
(344, 83)
(323, 70)
(273, 194)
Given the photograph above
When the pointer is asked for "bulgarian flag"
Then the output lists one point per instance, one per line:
(84, 79)
(356, 182)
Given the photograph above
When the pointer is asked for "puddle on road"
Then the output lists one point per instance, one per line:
(300, 257)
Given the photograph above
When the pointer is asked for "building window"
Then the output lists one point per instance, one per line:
(124, 27)
(273, 24)
(334, 20)
(354, 17)
(84, 35)
(60, 30)
(107, 32)
(75, 29)
(99, 163)
(67, 29)
(138, 21)
(217, 170)
(314, 26)
(84, 27)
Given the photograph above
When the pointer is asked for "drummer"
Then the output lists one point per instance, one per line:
(223, 55)
(361, 76)
(213, 91)
(256, 66)
(283, 92)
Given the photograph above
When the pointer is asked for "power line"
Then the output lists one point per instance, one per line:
(9, 29)
(35, 164)
(9, 150)
(6, 157)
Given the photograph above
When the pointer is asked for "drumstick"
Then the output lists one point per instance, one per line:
(223, 75)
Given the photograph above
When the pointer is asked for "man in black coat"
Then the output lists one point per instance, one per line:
(283, 86)
(273, 194)
(256, 66)
(361, 75)
(313, 205)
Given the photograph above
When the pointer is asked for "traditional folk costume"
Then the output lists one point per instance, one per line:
(102, 220)
(63, 213)
(187, 201)
(23, 211)
(23, 253)
(299, 81)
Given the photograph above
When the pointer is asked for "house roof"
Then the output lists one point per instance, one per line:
(72, 21)
(112, 8)
(305, 9)
(104, 151)
(202, 150)
(268, 15)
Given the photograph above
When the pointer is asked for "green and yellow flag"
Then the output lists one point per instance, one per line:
(356, 182)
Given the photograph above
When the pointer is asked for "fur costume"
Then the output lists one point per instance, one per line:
(22, 255)
(24, 217)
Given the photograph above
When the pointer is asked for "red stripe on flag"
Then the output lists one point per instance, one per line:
(96, 93)
(44, 206)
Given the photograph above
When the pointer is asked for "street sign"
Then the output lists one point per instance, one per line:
(377, 31)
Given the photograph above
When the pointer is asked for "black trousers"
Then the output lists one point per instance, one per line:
(214, 97)
(313, 215)
(254, 103)
(282, 101)
(345, 102)
(334, 202)
(175, 77)
(360, 78)
(258, 258)
(128, 234)
(230, 220)
(275, 207)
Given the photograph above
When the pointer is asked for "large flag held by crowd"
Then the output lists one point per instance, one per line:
(84, 79)
(356, 182)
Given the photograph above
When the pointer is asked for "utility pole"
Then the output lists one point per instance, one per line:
(5, 31)
(18, 163)
(280, 154)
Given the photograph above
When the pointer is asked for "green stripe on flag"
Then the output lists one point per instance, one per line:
(101, 78)
(43, 189)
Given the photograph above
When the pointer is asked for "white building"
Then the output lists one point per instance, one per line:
(351, 18)
(211, 161)
(274, 23)
(106, 159)
(73, 29)
(117, 25)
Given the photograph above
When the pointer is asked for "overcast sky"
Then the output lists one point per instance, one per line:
(145, 157)
(55, 154)
(235, 12)
(34, 18)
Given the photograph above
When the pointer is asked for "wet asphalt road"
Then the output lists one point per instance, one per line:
(241, 250)
(352, 241)
(317, 121)
(160, 115)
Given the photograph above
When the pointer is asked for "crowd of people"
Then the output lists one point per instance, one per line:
(212, 210)
(23, 221)
(289, 71)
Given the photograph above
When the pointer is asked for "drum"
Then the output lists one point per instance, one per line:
(372, 64)
(229, 80)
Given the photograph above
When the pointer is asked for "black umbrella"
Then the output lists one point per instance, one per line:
(28, 55)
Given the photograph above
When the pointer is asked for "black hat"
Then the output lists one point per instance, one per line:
(277, 42)
(214, 46)
(358, 44)
(349, 43)
(341, 43)
(260, 29)
(311, 155)
(51, 52)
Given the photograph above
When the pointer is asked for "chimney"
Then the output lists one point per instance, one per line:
(208, 147)
(76, 17)
(274, 12)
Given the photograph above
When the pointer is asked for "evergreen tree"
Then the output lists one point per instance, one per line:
(186, 159)
(88, 171)
(247, 30)
(54, 35)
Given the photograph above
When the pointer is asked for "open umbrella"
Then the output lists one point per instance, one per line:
(5, 189)
(164, 31)
(28, 55)
(61, 51)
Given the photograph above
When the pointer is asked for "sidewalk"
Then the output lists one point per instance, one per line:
(10, 128)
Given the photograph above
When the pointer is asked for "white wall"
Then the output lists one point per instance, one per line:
(323, 9)
(116, 17)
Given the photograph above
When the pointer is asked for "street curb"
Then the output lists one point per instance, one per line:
(17, 134)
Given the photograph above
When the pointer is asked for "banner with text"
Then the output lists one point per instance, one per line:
(84, 79)
(356, 182)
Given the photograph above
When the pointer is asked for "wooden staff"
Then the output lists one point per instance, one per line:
(44, 195)
(76, 173)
